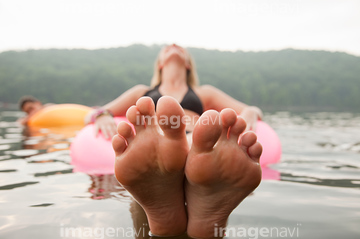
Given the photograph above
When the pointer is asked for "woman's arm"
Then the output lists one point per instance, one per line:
(118, 107)
(213, 98)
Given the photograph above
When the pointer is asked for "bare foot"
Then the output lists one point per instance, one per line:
(150, 165)
(220, 170)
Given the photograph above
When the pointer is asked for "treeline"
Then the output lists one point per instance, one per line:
(274, 80)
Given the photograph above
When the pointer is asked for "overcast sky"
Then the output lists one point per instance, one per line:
(248, 25)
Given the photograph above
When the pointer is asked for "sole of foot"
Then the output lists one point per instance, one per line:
(222, 169)
(150, 163)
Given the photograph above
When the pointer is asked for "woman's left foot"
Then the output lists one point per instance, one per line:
(220, 170)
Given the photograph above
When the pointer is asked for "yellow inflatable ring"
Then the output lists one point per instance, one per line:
(60, 115)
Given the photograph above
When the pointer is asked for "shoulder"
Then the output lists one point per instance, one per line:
(141, 88)
(207, 95)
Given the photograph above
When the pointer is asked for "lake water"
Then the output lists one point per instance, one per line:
(314, 192)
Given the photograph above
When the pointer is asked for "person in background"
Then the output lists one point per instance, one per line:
(30, 105)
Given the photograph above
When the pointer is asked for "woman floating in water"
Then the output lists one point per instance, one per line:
(162, 169)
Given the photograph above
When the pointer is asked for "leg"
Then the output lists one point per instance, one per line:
(140, 221)
(220, 170)
(150, 165)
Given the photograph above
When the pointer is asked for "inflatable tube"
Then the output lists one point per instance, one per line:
(59, 115)
(95, 155)
(270, 142)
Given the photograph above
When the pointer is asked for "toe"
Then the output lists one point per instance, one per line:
(207, 131)
(247, 142)
(248, 139)
(135, 118)
(125, 130)
(146, 107)
(170, 117)
(237, 129)
(255, 151)
(228, 119)
(119, 144)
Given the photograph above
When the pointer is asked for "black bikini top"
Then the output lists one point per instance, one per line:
(190, 101)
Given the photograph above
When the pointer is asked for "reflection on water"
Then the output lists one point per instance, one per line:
(106, 186)
(318, 177)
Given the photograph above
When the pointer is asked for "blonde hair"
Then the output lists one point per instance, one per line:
(191, 79)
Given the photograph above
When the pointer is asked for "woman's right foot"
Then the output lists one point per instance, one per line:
(150, 165)
(220, 170)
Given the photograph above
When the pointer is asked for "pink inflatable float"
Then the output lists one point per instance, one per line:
(95, 155)
(270, 142)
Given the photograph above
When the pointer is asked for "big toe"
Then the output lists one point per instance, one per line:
(171, 117)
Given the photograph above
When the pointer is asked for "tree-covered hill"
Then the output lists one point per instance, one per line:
(278, 80)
